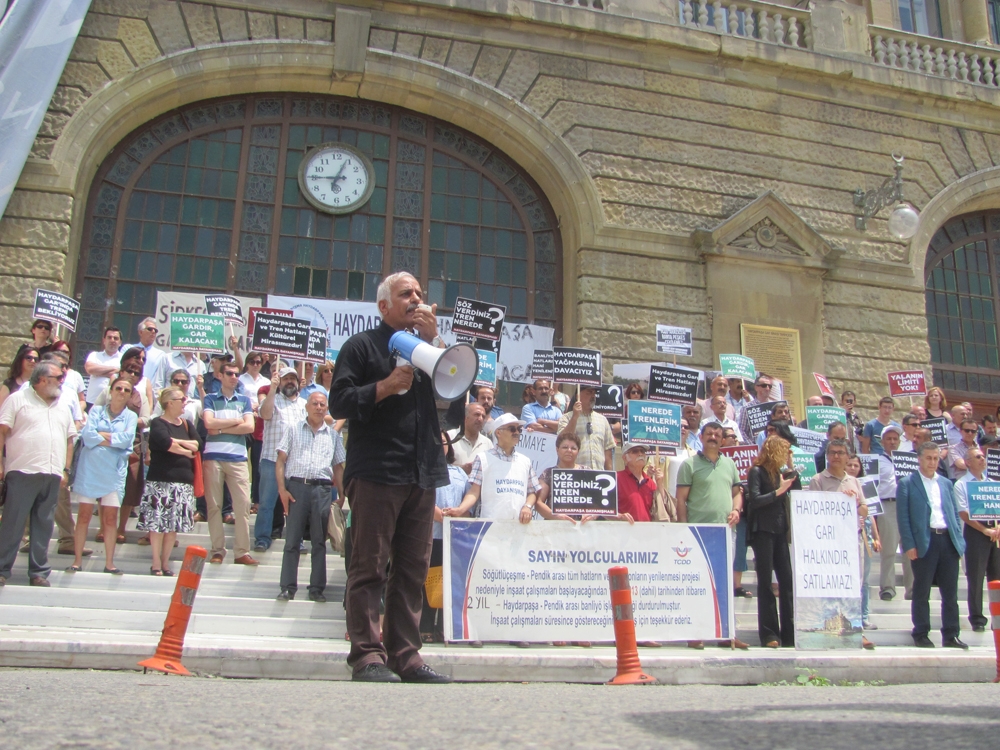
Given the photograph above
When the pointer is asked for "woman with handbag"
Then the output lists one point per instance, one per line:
(168, 499)
(101, 461)
(768, 483)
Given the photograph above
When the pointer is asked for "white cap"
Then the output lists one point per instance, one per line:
(505, 420)
(891, 428)
(287, 371)
(630, 445)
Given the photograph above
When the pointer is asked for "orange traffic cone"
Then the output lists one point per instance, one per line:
(994, 589)
(168, 651)
(629, 669)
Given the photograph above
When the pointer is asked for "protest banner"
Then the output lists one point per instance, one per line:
(254, 311)
(542, 364)
(907, 383)
(316, 353)
(993, 464)
(818, 418)
(610, 401)
(674, 340)
(825, 389)
(575, 366)
(804, 463)
(584, 492)
(487, 374)
(984, 501)
(674, 384)
(869, 463)
(904, 463)
(195, 333)
(777, 389)
(281, 335)
(544, 582)
(743, 456)
(478, 319)
(652, 423)
(737, 366)
(56, 308)
(869, 488)
(939, 429)
(519, 343)
(809, 442)
(757, 416)
(341, 319)
(540, 448)
(186, 302)
(826, 567)
(227, 306)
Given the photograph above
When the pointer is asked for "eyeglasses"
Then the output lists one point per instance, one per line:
(255, 361)
(837, 453)
(175, 400)
(849, 401)
(231, 374)
(29, 358)
(60, 379)
(151, 329)
(969, 432)
(43, 328)
(180, 382)
(762, 385)
(133, 371)
(122, 389)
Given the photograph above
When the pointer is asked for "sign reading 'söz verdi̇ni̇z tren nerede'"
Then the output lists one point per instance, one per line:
(575, 366)
(194, 332)
(583, 491)
(477, 319)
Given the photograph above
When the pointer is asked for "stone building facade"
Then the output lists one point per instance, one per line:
(643, 146)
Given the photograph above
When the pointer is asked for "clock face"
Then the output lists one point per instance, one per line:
(336, 178)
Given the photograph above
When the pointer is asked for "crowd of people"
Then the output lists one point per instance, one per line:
(172, 439)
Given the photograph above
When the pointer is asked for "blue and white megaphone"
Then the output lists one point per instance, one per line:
(452, 370)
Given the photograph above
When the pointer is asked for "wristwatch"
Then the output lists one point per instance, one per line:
(437, 341)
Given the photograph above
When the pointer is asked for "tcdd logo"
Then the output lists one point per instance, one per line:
(682, 553)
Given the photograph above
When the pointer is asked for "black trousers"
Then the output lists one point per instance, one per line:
(982, 560)
(770, 553)
(938, 567)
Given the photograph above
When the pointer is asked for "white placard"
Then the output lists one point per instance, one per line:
(540, 447)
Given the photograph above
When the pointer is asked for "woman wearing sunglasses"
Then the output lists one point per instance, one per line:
(20, 371)
(105, 444)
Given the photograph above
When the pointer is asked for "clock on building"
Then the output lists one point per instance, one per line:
(336, 178)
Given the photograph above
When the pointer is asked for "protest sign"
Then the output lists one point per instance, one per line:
(540, 447)
(341, 319)
(804, 463)
(316, 352)
(825, 389)
(56, 308)
(519, 343)
(544, 582)
(651, 423)
(743, 456)
(907, 383)
(186, 302)
(582, 491)
(737, 366)
(227, 306)
(542, 364)
(757, 416)
(576, 366)
(818, 418)
(193, 332)
(478, 319)
(904, 463)
(610, 401)
(993, 464)
(281, 335)
(673, 340)
(487, 374)
(675, 384)
(809, 441)
(254, 311)
(826, 566)
(984, 501)
(938, 427)
(869, 489)
(869, 463)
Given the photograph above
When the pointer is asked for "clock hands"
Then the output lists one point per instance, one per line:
(337, 177)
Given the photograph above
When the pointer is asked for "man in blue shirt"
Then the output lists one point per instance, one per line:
(871, 435)
(543, 415)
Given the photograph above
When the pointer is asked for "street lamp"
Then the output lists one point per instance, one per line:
(903, 219)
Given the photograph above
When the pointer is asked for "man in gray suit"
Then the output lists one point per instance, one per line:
(931, 538)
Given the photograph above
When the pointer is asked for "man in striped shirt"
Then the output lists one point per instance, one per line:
(228, 419)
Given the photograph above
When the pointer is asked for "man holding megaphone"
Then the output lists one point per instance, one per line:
(395, 462)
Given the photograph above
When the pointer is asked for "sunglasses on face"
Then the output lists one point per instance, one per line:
(969, 432)
(180, 382)
(44, 328)
(255, 361)
(132, 371)
(514, 430)
(175, 400)
(122, 389)
(151, 329)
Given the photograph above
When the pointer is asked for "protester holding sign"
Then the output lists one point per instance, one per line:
(932, 540)
(155, 357)
(636, 489)
(541, 415)
(982, 552)
(41, 334)
(768, 484)
(567, 448)
(597, 443)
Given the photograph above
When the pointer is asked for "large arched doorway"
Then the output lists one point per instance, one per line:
(205, 198)
(961, 275)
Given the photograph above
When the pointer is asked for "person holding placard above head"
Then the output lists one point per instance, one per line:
(708, 491)
(888, 526)
(768, 484)
(982, 540)
(737, 397)
(468, 440)
(932, 539)
(41, 334)
(597, 443)
(541, 415)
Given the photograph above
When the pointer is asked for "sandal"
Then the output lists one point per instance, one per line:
(100, 537)
(155, 572)
(74, 569)
(114, 571)
(168, 572)
(741, 593)
(426, 638)
(120, 539)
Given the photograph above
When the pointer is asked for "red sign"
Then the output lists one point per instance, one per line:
(907, 383)
(270, 310)
(825, 389)
(743, 456)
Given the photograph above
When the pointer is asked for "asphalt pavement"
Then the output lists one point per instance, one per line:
(89, 709)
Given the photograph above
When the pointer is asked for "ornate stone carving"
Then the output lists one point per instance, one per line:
(766, 237)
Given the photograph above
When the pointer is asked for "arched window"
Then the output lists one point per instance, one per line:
(206, 199)
(962, 302)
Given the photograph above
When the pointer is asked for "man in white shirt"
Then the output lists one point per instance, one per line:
(888, 526)
(910, 424)
(982, 555)
(469, 441)
(37, 431)
(718, 387)
(154, 357)
(103, 364)
(717, 405)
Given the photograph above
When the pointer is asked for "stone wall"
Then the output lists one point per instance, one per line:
(674, 132)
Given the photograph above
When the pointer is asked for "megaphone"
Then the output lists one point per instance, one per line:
(452, 370)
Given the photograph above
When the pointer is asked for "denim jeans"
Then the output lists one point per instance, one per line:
(267, 498)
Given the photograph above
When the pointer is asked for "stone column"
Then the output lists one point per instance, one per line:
(976, 22)
(840, 28)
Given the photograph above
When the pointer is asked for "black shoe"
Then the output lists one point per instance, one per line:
(741, 593)
(425, 675)
(955, 643)
(886, 596)
(285, 596)
(317, 598)
(978, 628)
(375, 672)
(923, 642)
